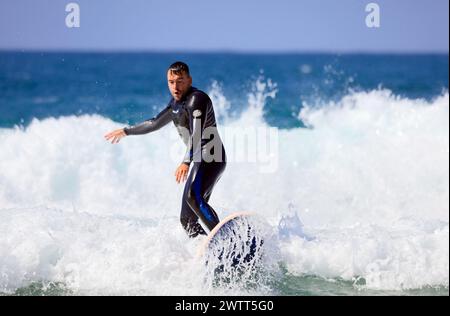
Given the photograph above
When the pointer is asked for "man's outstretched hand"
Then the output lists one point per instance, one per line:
(182, 172)
(116, 136)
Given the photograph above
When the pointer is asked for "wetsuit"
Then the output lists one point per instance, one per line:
(194, 118)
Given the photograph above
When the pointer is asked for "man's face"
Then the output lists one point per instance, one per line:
(178, 84)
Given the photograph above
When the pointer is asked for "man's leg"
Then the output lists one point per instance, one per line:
(203, 178)
(188, 219)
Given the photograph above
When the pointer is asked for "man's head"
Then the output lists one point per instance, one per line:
(178, 79)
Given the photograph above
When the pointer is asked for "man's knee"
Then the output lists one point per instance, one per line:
(190, 198)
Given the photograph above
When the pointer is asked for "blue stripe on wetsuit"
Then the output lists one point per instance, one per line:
(197, 187)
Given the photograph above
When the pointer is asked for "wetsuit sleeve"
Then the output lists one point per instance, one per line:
(150, 125)
(196, 107)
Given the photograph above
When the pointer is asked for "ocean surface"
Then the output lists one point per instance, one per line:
(351, 198)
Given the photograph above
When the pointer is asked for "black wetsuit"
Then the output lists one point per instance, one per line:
(194, 118)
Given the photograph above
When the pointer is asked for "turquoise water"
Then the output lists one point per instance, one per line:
(289, 285)
(131, 87)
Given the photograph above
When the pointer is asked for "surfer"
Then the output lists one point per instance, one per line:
(192, 113)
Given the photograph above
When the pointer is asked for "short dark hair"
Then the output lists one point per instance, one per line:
(178, 68)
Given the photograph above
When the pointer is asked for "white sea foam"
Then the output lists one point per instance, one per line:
(369, 179)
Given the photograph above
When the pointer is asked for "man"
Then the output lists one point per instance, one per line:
(192, 112)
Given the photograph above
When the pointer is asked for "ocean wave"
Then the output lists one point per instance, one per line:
(368, 177)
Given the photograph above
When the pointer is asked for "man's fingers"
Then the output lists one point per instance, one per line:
(109, 136)
(181, 174)
(115, 136)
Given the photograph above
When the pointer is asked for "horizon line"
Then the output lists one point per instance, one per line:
(223, 51)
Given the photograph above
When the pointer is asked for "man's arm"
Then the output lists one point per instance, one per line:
(148, 126)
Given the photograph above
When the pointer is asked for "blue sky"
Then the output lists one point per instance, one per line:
(232, 25)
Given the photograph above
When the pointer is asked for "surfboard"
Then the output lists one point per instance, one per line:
(233, 242)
